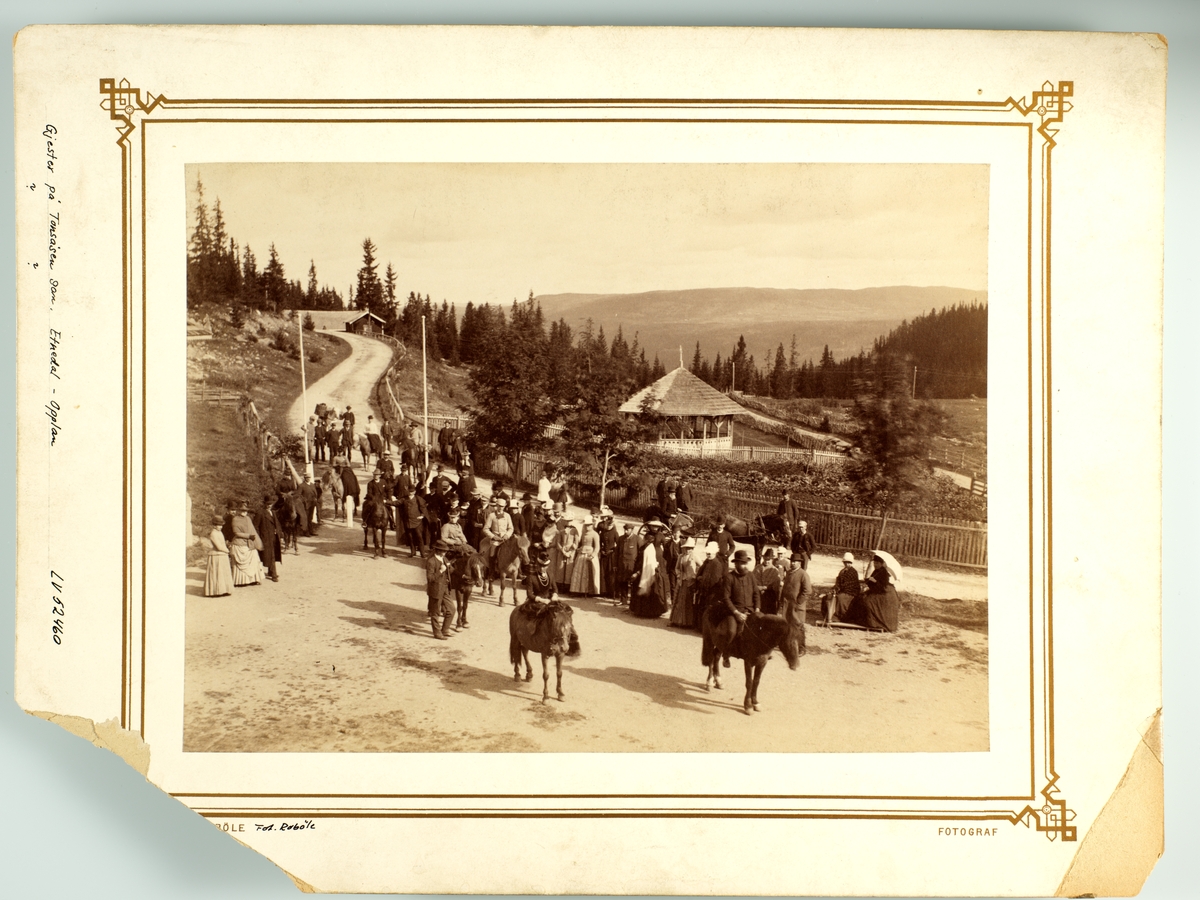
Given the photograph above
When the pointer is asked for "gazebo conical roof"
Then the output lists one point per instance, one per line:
(680, 393)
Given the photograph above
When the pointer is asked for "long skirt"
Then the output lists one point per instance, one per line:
(585, 576)
(561, 565)
(876, 610)
(682, 612)
(218, 579)
(247, 567)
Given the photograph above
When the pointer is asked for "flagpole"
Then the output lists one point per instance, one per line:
(308, 466)
(425, 393)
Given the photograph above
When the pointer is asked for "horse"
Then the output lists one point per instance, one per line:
(775, 529)
(760, 635)
(364, 447)
(289, 511)
(467, 569)
(545, 628)
(506, 564)
(375, 521)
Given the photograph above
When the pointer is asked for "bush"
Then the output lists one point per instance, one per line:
(825, 426)
(294, 352)
(309, 324)
(282, 342)
(237, 315)
(314, 356)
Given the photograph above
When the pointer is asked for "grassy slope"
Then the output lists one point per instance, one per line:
(222, 459)
(448, 391)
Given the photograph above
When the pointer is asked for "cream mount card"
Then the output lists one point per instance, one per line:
(315, 719)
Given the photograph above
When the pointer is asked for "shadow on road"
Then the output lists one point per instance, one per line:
(666, 690)
(394, 616)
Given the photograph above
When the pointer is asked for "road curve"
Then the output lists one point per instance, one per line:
(350, 382)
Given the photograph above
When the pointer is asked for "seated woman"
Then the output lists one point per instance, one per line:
(846, 589)
(879, 606)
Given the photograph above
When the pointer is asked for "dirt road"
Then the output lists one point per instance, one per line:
(349, 383)
(338, 655)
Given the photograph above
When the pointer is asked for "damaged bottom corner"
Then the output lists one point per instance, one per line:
(107, 735)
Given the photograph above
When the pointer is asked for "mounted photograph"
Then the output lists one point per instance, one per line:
(558, 457)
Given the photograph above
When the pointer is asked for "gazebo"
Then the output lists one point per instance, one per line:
(696, 416)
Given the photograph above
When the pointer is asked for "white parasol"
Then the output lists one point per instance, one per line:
(894, 568)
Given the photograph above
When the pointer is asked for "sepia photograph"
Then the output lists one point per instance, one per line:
(500, 457)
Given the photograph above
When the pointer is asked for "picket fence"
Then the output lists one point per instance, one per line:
(836, 528)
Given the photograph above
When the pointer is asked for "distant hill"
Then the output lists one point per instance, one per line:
(847, 320)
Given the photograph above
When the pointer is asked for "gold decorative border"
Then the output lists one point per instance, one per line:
(125, 105)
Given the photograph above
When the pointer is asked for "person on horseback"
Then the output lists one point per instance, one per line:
(539, 586)
(497, 528)
(452, 534)
(741, 596)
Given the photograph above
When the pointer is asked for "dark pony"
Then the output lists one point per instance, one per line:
(290, 512)
(758, 639)
(375, 522)
(545, 628)
(467, 571)
(775, 528)
(506, 565)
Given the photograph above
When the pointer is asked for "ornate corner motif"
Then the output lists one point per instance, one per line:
(1053, 818)
(1050, 104)
(122, 101)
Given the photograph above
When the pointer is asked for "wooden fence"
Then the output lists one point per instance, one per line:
(835, 528)
(202, 393)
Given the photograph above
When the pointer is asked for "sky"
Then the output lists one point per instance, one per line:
(483, 232)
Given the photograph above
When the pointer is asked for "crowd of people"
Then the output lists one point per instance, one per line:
(655, 568)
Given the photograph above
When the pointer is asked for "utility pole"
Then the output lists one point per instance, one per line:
(308, 466)
(732, 377)
(425, 392)
(914, 391)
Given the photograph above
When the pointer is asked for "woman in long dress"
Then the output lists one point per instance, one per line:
(243, 549)
(218, 578)
(879, 606)
(706, 589)
(562, 553)
(585, 574)
(682, 613)
(651, 593)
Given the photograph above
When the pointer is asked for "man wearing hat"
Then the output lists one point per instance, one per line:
(476, 515)
(803, 542)
(437, 589)
(607, 532)
(514, 512)
(452, 533)
(769, 581)
(846, 588)
(410, 514)
(626, 554)
(497, 528)
(797, 588)
(741, 595)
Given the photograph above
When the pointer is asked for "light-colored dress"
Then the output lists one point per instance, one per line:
(218, 578)
(247, 566)
(585, 574)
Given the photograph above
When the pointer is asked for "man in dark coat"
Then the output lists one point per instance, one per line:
(437, 589)
(411, 514)
(348, 429)
(802, 542)
(683, 496)
(466, 484)
(607, 532)
(268, 531)
(309, 497)
(789, 511)
(350, 486)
